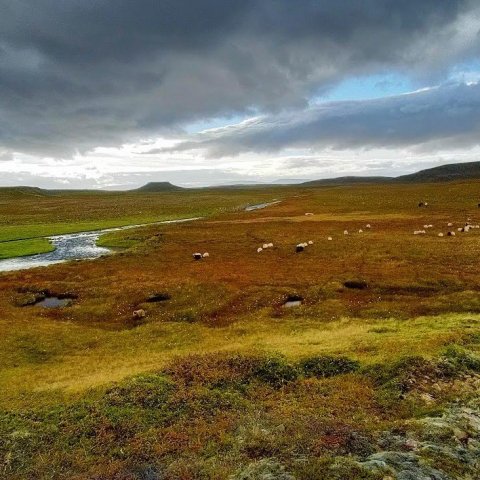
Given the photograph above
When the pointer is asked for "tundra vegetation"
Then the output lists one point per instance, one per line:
(374, 375)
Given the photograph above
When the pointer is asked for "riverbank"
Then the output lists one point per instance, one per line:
(25, 248)
(28, 220)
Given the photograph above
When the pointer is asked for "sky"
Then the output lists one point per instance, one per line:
(115, 93)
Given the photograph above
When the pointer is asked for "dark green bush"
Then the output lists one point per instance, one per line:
(328, 366)
(276, 371)
(458, 360)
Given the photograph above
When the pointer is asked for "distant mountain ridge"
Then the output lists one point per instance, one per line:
(443, 173)
(350, 180)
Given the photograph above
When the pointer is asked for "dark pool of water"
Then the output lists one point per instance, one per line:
(54, 302)
(293, 301)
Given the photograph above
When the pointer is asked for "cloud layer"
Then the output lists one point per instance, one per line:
(77, 74)
(434, 118)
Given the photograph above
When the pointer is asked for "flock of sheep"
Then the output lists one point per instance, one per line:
(300, 247)
(451, 233)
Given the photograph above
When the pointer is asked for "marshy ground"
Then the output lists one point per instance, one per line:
(374, 375)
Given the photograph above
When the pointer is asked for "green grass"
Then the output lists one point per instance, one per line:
(20, 248)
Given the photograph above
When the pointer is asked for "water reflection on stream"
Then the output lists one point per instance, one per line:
(73, 246)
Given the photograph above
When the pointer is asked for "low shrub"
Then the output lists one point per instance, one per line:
(457, 360)
(327, 366)
(276, 371)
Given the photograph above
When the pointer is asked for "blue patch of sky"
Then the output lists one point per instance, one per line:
(367, 87)
(466, 72)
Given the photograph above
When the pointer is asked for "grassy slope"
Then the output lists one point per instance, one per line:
(422, 297)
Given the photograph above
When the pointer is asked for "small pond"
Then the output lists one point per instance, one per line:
(54, 302)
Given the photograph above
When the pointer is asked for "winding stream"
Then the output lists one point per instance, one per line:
(73, 246)
(259, 206)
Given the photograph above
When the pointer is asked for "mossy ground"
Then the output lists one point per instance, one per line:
(89, 393)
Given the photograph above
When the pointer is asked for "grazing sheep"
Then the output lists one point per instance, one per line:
(419, 232)
(310, 242)
(440, 234)
(330, 238)
(345, 232)
(299, 248)
(259, 249)
(206, 255)
(449, 224)
(451, 234)
(265, 245)
(360, 231)
(368, 225)
(139, 313)
(309, 214)
(270, 245)
(197, 256)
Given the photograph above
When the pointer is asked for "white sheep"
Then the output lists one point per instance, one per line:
(345, 232)
(308, 214)
(259, 249)
(360, 231)
(440, 234)
(265, 245)
(310, 242)
(206, 255)
(368, 225)
(330, 238)
(270, 245)
(449, 224)
(197, 256)
(139, 313)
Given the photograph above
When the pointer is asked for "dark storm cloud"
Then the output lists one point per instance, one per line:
(75, 74)
(446, 116)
